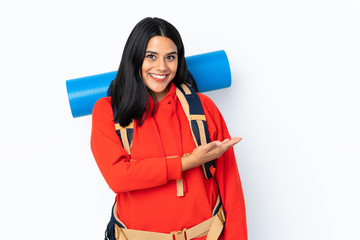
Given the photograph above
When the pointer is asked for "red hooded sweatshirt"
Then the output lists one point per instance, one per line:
(145, 182)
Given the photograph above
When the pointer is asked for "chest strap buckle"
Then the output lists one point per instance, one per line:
(179, 235)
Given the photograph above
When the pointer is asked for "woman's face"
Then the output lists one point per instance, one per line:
(159, 65)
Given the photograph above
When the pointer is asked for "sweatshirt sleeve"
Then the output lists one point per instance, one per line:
(121, 174)
(227, 176)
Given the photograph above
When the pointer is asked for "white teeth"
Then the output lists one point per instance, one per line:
(158, 76)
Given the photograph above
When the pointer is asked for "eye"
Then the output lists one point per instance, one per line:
(171, 57)
(151, 56)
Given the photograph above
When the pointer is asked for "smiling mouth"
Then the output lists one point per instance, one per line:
(158, 77)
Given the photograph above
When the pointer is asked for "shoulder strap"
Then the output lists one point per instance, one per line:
(125, 133)
(192, 107)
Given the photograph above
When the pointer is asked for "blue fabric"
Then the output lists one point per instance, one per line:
(110, 229)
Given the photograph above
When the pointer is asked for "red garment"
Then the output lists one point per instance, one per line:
(146, 187)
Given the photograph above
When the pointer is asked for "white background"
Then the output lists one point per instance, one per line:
(294, 100)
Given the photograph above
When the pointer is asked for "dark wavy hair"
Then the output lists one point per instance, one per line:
(129, 94)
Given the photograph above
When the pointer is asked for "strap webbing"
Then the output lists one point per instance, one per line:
(180, 187)
(211, 228)
(195, 114)
(125, 134)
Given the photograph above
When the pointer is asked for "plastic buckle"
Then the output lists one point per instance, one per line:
(179, 235)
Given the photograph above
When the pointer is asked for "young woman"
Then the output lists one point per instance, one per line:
(161, 191)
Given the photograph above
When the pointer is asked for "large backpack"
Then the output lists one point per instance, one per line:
(192, 107)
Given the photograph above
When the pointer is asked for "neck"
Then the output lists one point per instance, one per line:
(161, 95)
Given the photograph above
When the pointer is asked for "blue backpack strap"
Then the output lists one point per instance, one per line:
(125, 133)
(191, 104)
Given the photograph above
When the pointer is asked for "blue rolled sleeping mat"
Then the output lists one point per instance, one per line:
(211, 71)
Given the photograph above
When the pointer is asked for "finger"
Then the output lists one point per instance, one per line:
(210, 146)
(236, 139)
(230, 143)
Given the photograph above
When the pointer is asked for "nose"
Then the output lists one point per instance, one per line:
(161, 65)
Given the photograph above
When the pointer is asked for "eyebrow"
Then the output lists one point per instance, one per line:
(157, 53)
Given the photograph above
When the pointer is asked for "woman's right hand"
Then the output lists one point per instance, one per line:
(207, 152)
